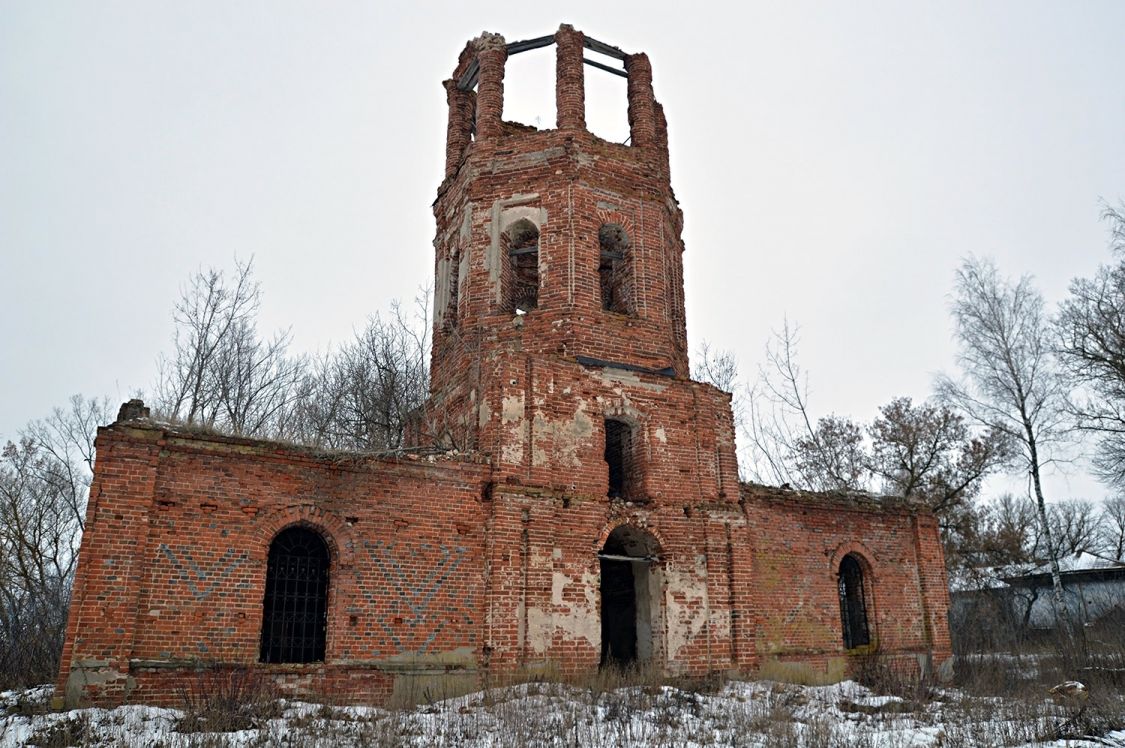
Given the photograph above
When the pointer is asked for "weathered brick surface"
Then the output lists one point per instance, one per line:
(173, 560)
(486, 559)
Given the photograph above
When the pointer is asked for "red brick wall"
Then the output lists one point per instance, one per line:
(172, 567)
(435, 569)
(795, 543)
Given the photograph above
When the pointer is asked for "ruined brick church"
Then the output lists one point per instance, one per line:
(592, 514)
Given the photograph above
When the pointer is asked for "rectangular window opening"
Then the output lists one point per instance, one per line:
(618, 458)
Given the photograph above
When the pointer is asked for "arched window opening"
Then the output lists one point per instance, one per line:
(521, 273)
(614, 273)
(295, 610)
(853, 607)
(454, 288)
(619, 458)
(630, 590)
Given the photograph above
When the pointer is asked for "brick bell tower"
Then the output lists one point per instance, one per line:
(560, 353)
(551, 243)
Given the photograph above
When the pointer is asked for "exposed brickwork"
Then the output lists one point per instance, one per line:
(487, 559)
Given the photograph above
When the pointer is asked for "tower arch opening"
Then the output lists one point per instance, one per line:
(631, 591)
(615, 276)
(520, 275)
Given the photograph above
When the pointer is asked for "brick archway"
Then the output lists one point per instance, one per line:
(867, 598)
(334, 529)
(866, 556)
(630, 592)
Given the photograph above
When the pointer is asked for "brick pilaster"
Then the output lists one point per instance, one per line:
(642, 109)
(570, 86)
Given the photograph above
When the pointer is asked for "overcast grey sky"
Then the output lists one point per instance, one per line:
(833, 160)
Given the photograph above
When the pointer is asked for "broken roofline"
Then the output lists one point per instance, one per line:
(468, 79)
(858, 500)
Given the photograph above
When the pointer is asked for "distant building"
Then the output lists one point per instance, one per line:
(591, 514)
(1093, 588)
(1000, 607)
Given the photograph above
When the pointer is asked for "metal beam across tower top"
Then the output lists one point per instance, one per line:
(468, 79)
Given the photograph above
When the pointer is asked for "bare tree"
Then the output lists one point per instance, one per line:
(833, 456)
(1011, 531)
(720, 368)
(716, 367)
(776, 415)
(924, 452)
(1010, 380)
(363, 395)
(927, 452)
(44, 484)
(1091, 329)
(1074, 528)
(1111, 528)
(221, 374)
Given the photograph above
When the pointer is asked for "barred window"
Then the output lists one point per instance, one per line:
(853, 608)
(294, 615)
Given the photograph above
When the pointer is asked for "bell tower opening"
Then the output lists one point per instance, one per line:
(614, 269)
(520, 276)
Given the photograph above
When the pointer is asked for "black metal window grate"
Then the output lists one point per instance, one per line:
(294, 615)
(853, 611)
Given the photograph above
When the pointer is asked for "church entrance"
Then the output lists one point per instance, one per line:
(630, 590)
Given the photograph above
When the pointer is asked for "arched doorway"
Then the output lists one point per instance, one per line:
(630, 595)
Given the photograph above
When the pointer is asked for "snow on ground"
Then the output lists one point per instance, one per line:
(757, 714)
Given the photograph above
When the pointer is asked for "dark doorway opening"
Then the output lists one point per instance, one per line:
(629, 597)
(619, 613)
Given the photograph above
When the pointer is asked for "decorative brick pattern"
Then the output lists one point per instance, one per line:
(412, 617)
(201, 582)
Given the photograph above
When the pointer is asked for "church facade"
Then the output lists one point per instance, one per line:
(583, 508)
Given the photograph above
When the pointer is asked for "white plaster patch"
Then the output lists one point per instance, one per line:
(685, 595)
(558, 442)
(614, 377)
(660, 434)
(511, 415)
(572, 619)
